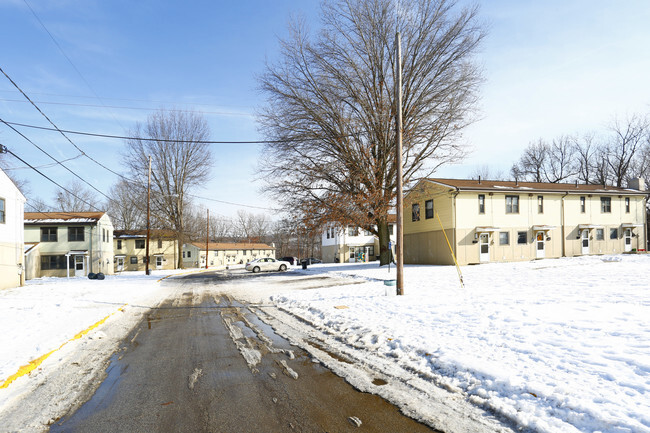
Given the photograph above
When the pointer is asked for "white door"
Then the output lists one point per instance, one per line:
(120, 264)
(539, 244)
(484, 247)
(628, 239)
(79, 268)
(353, 256)
(159, 262)
(584, 240)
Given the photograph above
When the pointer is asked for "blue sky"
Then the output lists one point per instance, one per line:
(551, 68)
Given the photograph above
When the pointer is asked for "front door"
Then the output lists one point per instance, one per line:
(353, 257)
(79, 268)
(120, 264)
(584, 240)
(159, 261)
(484, 246)
(628, 239)
(539, 244)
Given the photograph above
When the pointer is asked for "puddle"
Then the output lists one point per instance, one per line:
(379, 382)
(333, 355)
(102, 398)
(277, 341)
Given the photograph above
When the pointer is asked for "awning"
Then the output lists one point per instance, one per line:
(360, 244)
(542, 228)
(158, 255)
(589, 226)
(483, 229)
(77, 252)
(631, 225)
(119, 255)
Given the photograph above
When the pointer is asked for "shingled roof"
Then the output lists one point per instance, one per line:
(62, 217)
(513, 186)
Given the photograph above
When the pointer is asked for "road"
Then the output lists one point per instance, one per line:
(204, 362)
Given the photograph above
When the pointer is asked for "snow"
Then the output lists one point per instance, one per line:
(555, 345)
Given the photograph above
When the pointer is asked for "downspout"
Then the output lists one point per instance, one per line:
(454, 228)
(562, 224)
(90, 267)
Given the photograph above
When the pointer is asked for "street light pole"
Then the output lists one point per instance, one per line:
(399, 250)
(147, 271)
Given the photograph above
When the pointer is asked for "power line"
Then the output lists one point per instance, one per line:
(4, 149)
(44, 165)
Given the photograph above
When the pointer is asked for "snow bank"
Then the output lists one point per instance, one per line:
(554, 345)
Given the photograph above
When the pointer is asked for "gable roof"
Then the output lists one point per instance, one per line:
(233, 246)
(513, 186)
(62, 217)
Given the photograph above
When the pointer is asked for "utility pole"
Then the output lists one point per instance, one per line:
(147, 271)
(207, 240)
(398, 161)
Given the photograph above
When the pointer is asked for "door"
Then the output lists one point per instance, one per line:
(120, 264)
(353, 257)
(627, 235)
(484, 247)
(584, 240)
(79, 268)
(541, 252)
(159, 261)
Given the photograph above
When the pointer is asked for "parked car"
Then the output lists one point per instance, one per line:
(292, 260)
(312, 260)
(267, 264)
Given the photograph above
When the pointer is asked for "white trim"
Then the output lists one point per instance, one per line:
(543, 228)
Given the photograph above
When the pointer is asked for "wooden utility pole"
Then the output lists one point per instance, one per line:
(207, 240)
(147, 271)
(399, 251)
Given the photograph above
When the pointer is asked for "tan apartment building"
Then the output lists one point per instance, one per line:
(224, 253)
(501, 221)
(68, 244)
(12, 208)
(353, 244)
(130, 249)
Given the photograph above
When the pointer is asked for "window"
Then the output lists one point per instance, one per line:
(103, 235)
(353, 231)
(600, 234)
(48, 234)
(481, 203)
(613, 233)
(52, 262)
(582, 204)
(119, 244)
(328, 233)
(183, 254)
(367, 233)
(521, 238)
(627, 204)
(144, 260)
(390, 229)
(75, 234)
(512, 204)
(159, 243)
(605, 204)
(189, 254)
(134, 260)
(371, 251)
(415, 212)
(540, 204)
(504, 238)
(139, 243)
(2, 210)
(428, 209)
(352, 252)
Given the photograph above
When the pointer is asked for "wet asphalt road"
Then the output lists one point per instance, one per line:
(205, 363)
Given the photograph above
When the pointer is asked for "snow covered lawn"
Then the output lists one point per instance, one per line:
(558, 345)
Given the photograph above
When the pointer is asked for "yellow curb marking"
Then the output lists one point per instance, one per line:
(33, 364)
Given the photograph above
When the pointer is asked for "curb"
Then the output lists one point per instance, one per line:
(33, 364)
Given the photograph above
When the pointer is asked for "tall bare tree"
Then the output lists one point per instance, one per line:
(252, 227)
(626, 142)
(181, 162)
(547, 162)
(330, 113)
(127, 205)
(81, 199)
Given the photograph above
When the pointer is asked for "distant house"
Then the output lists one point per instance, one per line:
(12, 208)
(353, 244)
(496, 221)
(129, 247)
(68, 243)
(224, 253)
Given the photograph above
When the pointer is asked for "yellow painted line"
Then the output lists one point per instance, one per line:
(33, 364)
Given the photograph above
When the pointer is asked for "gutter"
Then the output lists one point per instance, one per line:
(562, 225)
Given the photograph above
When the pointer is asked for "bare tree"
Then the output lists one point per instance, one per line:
(330, 114)
(627, 140)
(486, 172)
(531, 164)
(79, 199)
(586, 155)
(127, 205)
(252, 227)
(544, 162)
(181, 161)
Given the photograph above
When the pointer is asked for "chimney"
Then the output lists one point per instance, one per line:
(636, 183)
(479, 180)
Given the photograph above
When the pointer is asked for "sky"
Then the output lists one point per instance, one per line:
(550, 68)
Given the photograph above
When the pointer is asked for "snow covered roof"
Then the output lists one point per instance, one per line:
(62, 217)
(136, 234)
(499, 185)
(233, 246)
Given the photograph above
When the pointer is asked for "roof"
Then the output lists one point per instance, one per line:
(514, 186)
(62, 217)
(154, 233)
(233, 246)
(29, 246)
